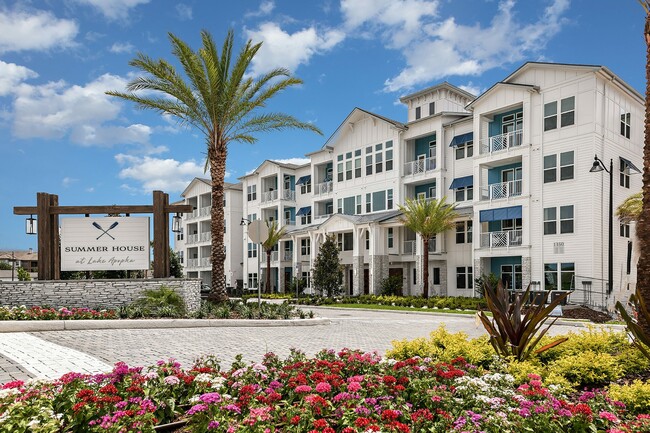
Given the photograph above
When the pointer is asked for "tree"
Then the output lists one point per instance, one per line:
(630, 209)
(327, 269)
(216, 96)
(427, 218)
(23, 275)
(275, 234)
(175, 266)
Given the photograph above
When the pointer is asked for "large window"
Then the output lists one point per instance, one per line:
(625, 230)
(465, 193)
(550, 116)
(464, 232)
(464, 278)
(252, 250)
(252, 280)
(390, 237)
(465, 150)
(550, 168)
(566, 219)
(389, 155)
(378, 201)
(566, 165)
(567, 113)
(379, 158)
(567, 273)
(624, 174)
(345, 241)
(550, 276)
(550, 221)
(305, 247)
(251, 192)
(625, 125)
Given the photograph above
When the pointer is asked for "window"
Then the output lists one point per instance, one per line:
(464, 279)
(625, 125)
(463, 232)
(465, 150)
(306, 276)
(181, 256)
(550, 276)
(252, 216)
(339, 172)
(550, 116)
(378, 201)
(566, 219)
(179, 235)
(567, 273)
(305, 247)
(368, 165)
(224, 225)
(348, 170)
(389, 156)
(305, 218)
(305, 188)
(252, 250)
(625, 230)
(345, 241)
(357, 168)
(436, 276)
(378, 162)
(550, 165)
(566, 165)
(390, 237)
(339, 241)
(465, 193)
(432, 192)
(368, 203)
(469, 232)
(339, 206)
(358, 205)
(624, 175)
(367, 239)
(389, 202)
(415, 276)
(252, 280)
(251, 192)
(550, 221)
(568, 114)
(432, 108)
(417, 112)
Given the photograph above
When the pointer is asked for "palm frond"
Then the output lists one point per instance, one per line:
(630, 209)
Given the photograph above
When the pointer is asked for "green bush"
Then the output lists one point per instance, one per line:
(23, 275)
(588, 368)
(592, 339)
(162, 302)
(391, 285)
(452, 303)
(635, 395)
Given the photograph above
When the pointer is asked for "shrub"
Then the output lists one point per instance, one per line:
(521, 371)
(391, 285)
(588, 368)
(635, 395)
(632, 360)
(162, 302)
(23, 275)
(592, 339)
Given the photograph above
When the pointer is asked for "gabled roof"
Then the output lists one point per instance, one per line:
(445, 85)
(226, 185)
(272, 162)
(356, 111)
(365, 219)
(499, 85)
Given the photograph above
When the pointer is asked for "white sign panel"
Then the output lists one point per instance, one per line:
(102, 244)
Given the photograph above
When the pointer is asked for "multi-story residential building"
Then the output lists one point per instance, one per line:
(194, 241)
(516, 163)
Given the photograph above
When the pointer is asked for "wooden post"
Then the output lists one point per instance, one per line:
(159, 231)
(55, 241)
(44, 236)
(166, 240)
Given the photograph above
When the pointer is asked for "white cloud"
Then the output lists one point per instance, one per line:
(471, 88)
(37, 30)
(266, 7)
(281, 49)
(56, 110)
(113, 9)
(168, 175)
(457, 49)
(296, 161)
(67, 181)
(121, 47)
(184, 12)
(11, 75)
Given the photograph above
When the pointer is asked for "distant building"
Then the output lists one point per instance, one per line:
(27, 260)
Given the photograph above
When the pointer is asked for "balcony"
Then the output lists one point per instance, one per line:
(287, 194)
(192, 263)
(501, 142)
(287, 255)
(205, 261)
(324, 188)
(504, 239)
(501, 190)
(192, 239)
(409, 248)
(323, 216)
(205, 237)
(419, 166)
(269, 196)
(288, 222)
(205, 211)
(274, 256)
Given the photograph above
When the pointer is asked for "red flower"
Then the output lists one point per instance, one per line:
(320, 423)
(295, 420)
(108, 389)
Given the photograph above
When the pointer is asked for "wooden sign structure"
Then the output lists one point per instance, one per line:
(47, 211)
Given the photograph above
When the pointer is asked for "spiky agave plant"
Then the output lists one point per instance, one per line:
(640, 337)
(516, 326)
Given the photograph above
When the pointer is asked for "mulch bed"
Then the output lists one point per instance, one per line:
(585, 313)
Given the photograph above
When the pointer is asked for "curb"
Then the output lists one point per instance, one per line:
(82, 325)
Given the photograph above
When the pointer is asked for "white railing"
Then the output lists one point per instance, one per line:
(274, 256)
(501, 142)
(409, 247)
(324, 188)
(287, 255)
(205, 261)
(192, 215)
(289, 194)
(205, 211)
(206, 237)
(269, 196)
(419, 166)
(192, 263)
(505, 239)
(288, 222)
(192, 239)
(323, 216)
(496, 191)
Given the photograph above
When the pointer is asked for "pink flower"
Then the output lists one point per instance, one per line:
(323, 387)
(303, 388)
(354, 386)
(608, 416)
(172, 380)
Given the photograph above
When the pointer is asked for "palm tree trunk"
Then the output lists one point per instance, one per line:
(425, 270)
(643, 225)
(217, 159)
(268, 272)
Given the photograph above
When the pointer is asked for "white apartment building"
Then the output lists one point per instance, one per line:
(194, 241)
(514, 160)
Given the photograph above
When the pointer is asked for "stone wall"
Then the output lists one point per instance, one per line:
(93, 293)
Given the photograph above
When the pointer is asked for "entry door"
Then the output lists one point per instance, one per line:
(366, 281)
(400, 273)
(287, 280)
(351, 281)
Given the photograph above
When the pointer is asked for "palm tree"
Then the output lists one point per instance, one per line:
(217, 97)
(427, 218)
(275, 234)
(630, 209)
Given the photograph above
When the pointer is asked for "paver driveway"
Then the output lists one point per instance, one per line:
(87, 351)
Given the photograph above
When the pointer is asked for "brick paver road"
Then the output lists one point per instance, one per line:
(366, 330)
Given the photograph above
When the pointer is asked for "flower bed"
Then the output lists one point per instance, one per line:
(347, 392)
(48, 313)
(439, 302)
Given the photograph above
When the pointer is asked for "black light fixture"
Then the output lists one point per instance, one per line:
(244, 222)
(31, 228)
(176, 223)
(597, 167)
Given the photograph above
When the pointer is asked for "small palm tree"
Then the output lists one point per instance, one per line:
(275, 234)
(427, 218)
(217, 97)
(630, 209)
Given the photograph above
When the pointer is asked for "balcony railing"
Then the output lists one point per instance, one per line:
(288, 222)
(287, 255)
(269, 196)
(205, 261)
(324, 188)
(192, 239)
(205, 211)
(501, 142)
(322, 216)
(289, 194)
(192, 263)
(419, 166)
(206, 237)
(496, 191)
(505, 239)
(192, 215)
(274, 256)
(409, 247)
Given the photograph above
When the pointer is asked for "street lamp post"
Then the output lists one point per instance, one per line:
(598, 166)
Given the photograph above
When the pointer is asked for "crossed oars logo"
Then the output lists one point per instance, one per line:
(105, 232)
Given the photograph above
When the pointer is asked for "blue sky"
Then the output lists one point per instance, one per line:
(61, 134)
